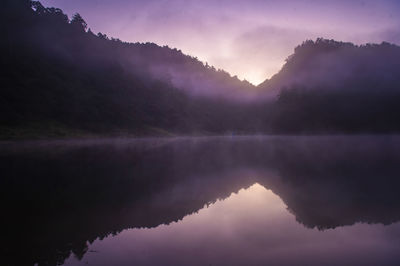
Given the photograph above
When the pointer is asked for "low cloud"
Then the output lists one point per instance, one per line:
(260, 53)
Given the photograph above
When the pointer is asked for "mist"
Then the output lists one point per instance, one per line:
(171, 132)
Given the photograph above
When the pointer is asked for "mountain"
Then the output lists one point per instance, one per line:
(333, 65)
(328, 86)
(60, 79)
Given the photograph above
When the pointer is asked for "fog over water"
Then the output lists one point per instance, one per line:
(213, 200)
(133, 132)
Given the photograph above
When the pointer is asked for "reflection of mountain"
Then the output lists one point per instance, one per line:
(57, 197)
(336, 182)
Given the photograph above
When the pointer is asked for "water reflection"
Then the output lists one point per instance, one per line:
(59, 197)
(252, 227)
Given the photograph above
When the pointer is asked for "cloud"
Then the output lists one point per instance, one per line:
(260, 53)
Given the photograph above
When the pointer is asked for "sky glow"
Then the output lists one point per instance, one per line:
(247, 38)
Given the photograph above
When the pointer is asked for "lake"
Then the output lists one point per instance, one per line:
(263, 200)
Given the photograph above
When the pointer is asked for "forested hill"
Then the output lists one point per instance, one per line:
(58, 78)
(51, 31)
(330, 86)
(332, 65)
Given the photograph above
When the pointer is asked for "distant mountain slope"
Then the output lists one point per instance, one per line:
(59, 76)
(73, 41)
(334, 87)
(329, 64)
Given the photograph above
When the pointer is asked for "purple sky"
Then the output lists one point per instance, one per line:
(248, 38)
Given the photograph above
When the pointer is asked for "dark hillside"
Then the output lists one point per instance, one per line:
(334, 87)
(58, 77)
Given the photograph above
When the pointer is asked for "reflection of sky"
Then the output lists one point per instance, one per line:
(248, 38)
(252, 227)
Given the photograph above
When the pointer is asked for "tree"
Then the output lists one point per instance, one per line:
(78, 22)
(38, 7)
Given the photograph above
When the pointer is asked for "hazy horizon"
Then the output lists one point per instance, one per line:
(250, 39)
(131, 132)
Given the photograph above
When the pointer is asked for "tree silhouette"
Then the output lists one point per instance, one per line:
(78, 22)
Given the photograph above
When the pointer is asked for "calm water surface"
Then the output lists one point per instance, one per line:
(202, 201)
